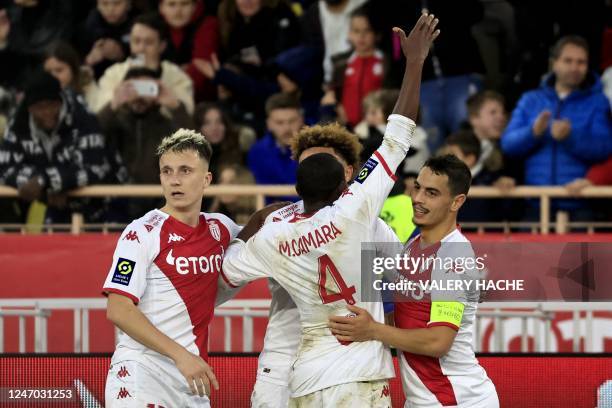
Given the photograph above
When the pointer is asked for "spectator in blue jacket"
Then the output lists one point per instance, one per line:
(564, 126)
(270, 158)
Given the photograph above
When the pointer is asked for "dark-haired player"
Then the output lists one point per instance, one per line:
(434, 330)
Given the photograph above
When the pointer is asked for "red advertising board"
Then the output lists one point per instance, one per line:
(552, 381)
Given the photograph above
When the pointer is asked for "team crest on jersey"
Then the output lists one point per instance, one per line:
(123, 271)
(215, 231)
(148, 227)
(366, 170)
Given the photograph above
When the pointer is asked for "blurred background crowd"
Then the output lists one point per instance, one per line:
(519, 90)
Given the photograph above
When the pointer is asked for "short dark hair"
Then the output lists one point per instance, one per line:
(459, 176)
(155, 22)
(578, 41)
(282, 101)
(466, 141)
(475, 102)
(318, 177)
(138, 72)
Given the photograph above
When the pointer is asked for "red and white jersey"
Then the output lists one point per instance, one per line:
(317, 259)
(284, 330)
(170, 270)
(455, 380)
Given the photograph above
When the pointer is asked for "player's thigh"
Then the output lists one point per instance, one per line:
(268, 395)
(356, 394)
(130, 384)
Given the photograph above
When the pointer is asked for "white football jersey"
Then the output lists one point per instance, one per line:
(170, 270)
(317, 259)
(284, 330)
(455, 379)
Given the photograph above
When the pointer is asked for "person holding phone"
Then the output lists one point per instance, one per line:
(146, 111)
(147, 43)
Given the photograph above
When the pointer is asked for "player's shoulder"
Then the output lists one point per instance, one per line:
(455, 244)
(285, 213)
(222, 218)
(147, 225)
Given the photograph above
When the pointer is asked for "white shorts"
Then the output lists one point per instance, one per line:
(373, 394)
(491, 401)
(131, 384)
(269, 395)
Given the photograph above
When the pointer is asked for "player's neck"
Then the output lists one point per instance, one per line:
(434, 234)
(310, 208)
(190, 217)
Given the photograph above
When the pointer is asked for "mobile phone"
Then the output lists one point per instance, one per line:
(145, 87)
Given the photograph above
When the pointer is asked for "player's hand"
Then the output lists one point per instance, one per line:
(541, 123)
(198, 374)
(560, 129)
(417, 44)
(360, 327)
(258, 218)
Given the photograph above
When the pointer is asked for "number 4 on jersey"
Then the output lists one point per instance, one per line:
(345, 293)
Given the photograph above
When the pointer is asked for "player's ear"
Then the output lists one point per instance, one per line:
(458, 202)
(208, 179)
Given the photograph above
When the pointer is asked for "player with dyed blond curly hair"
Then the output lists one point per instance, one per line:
(283, 331)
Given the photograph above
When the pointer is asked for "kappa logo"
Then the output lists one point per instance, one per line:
(215, 231)
(175, 238)
(385, 391)
(123, 393)
(131, 236)
(123, 372)
(148, 227)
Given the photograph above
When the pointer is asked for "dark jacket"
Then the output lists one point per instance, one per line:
(198, 40)
(136, 138)
(80, 156)
(270, 31)
(96, 28)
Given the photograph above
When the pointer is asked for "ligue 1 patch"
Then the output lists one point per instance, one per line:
(366, 170)
(123, 271)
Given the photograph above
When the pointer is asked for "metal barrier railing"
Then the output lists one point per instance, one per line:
(537, 315)
(543, 193)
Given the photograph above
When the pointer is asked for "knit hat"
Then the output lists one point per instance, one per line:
(42, 86)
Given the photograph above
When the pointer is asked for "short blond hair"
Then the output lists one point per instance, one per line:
(185, 139)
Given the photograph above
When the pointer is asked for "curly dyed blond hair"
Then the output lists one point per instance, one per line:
(333, 135)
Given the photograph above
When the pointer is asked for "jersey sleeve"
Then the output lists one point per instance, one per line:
(128, 272)
(457, 277)
(366, 196)
(244, 262)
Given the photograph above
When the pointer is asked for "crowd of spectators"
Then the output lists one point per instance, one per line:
(518, 90)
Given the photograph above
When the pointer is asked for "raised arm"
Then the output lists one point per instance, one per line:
(416, 48)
